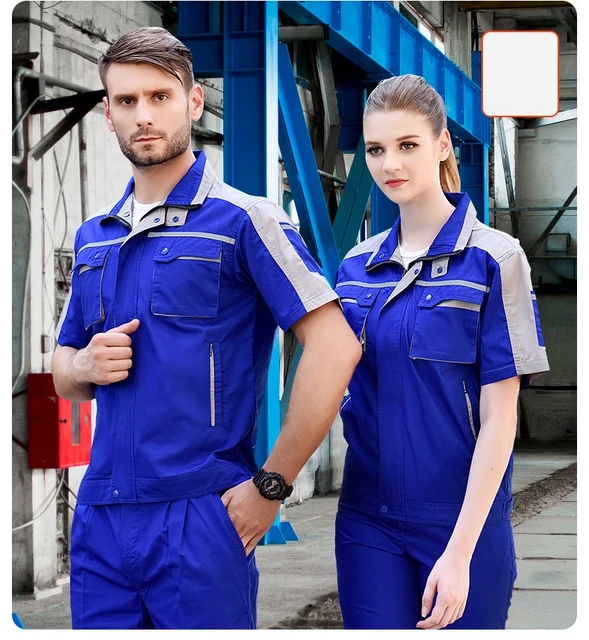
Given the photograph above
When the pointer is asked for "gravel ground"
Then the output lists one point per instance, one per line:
(325, 613)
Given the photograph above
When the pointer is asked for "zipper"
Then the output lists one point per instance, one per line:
(212, 384)
(469, 407)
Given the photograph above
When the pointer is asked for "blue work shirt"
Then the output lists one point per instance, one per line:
(462, 316)
(209, 273)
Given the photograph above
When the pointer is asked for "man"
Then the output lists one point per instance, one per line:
(177, 291)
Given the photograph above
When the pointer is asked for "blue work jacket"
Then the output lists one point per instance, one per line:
(209, 273)
(462, 316)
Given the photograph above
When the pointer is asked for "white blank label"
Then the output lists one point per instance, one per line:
(520, 74)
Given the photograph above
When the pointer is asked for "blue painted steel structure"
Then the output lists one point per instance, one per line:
(238, 41)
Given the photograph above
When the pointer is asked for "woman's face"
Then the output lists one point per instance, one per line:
(403, 155)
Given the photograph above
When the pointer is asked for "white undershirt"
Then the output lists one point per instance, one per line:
(409, 256)
(140, 209)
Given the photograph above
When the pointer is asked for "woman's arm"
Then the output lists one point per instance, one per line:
(450, 575)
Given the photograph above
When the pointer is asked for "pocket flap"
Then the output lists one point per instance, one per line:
(364, 296)
(91, 257)
(195, 248)
(446, 295)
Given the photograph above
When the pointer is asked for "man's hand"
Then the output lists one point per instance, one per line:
(107, 358)
(252, 515)
(450, 579)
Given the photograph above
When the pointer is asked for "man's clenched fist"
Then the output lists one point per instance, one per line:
(107, 358)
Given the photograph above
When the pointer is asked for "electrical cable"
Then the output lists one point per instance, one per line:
(44, 8)
(64, 498)
(49, 499)
(25, 294)
(20, 443)
(61, 180)
(28, 110)
(67, 486)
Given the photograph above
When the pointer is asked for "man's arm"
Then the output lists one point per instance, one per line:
(105, 360)
(331, 352)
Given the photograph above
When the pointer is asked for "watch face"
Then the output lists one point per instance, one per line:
(271, 487)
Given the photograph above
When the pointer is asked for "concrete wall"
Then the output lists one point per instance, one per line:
(546, 175)
(69, 37)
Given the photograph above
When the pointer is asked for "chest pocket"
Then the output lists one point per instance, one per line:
(186, 276)
(447, 324)
(356, 302)
(89, 272)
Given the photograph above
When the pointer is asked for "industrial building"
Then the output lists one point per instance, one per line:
(284, 84)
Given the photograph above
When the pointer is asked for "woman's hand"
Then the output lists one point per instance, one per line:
(450, 579)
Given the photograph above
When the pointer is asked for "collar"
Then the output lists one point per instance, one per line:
(451, 238)
(190, 192)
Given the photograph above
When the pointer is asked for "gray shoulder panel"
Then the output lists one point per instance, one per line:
(498, 244)
(223, 191)
(312, 288)
(368, 246)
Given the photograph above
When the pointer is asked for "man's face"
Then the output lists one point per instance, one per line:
(150, 112)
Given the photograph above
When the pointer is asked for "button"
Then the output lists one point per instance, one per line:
(175, 218)
(440, 269)
(384, 508)
(381, 255)
(157, 219)
(97, 256)
(416, 271)
(369, 295)
(428, 297)
(126, 215)
(165, 250)
(115, 494)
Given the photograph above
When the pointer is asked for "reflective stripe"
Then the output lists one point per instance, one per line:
(450, 283)
(352, 300)
(197, 258)
(212, 383)
(102, 243)
(469, 408)
(459, 304)
(190, 234)
(357, 283)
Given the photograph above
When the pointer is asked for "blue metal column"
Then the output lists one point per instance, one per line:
(352, 206)
(239, 41)
(383, 212)
(250, 127)
(301, 169)
(473, 165)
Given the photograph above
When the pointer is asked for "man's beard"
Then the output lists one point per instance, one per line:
(176, 146)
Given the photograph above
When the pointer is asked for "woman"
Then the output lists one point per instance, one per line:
(445, 310)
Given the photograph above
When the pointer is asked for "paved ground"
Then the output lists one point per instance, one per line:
(297, 579)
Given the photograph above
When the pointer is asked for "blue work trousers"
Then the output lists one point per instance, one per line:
(165, 565)
(383, 565)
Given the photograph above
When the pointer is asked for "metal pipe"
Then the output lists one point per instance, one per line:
(553, 222)
(83, 162)
(52, 81)
(20, 136)
(331, 177)
(506, 209)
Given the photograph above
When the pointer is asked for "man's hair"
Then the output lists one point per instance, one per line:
(150, 45)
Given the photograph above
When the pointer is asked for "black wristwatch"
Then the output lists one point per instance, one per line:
(272, 485)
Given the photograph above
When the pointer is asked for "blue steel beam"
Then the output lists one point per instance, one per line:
(352, 206)
(376, 37)
(240, 44)
(301, 169)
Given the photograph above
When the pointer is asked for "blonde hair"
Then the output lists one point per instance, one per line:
(412, 93)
